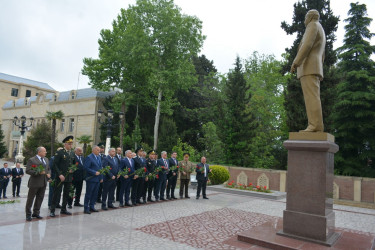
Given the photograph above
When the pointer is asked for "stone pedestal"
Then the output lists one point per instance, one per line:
(309, 205)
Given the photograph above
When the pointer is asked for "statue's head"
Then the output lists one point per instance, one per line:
(311, 15)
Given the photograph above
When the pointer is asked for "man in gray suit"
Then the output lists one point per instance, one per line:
(37, 182)
(309, 64)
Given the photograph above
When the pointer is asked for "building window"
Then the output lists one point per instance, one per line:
(54, 97)
(36, 94)
(73, 94)
(62, 126)
(28, 93)
(14, 92)
(71, 125)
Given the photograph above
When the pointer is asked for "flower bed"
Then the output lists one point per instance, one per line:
(249, 187)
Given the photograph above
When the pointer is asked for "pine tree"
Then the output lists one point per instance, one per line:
(3, 148)
(294, 103)
(355, 109)
(237, 132)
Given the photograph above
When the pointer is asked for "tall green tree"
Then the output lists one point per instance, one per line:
(85, 140)
(168, 134)
(266, 108)
(3, 148)
(355, 109)
(53, 117)
(294, 102)
(237, 130)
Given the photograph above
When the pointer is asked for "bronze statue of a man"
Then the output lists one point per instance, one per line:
(309, 65)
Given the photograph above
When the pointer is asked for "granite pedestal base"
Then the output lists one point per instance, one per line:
(308, 214)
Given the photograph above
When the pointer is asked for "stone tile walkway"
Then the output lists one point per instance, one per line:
(179, 224)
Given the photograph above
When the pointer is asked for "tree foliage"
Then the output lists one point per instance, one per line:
(355, 109)
(53, 117)
(3, 148)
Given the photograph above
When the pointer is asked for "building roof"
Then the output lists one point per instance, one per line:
(62, 96)
(17, 79)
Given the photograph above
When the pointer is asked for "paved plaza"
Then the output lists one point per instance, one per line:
(178, 224)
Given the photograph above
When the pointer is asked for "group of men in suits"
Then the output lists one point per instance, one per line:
(6, 174)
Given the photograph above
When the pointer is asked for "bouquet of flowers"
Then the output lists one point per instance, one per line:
(200, 169)
(124, 172)
(175, 168)
(73, 168)
(71, 191)
(102, 171)
(141, 172)
(38, 169)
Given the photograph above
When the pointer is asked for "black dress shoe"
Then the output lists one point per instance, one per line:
(162, 199)
(205, 197)
(52, 214)
(70, 206)
(168, 197)
(18, 195)
(104, 208)
(78, 205)
(28, 218)
(174, 198)
(5, 197)
(93, 210)
(86, 212)
(65, 212)
(128, 204)
(187, 197)
(122, 205)
(197, 197)
(181, 197)
(157, 200)
(99, 201)
(139, 202)
(111, 206)
(37, 216)
(58, 206)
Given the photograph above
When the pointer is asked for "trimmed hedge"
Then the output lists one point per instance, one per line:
(218, 175)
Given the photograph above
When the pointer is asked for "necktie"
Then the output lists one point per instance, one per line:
(130, 162)
(175, 162)
(97, 159)
(80, 160)
(43, 162)
(165, 163)
(18, 170)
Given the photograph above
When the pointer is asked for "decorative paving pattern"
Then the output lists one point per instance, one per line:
(207, 230)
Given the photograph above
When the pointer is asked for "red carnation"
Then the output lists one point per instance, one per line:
(129, 169)
(265, 187)
(157, 176)
(162, 167)
(33, 166)
(145, 169)
(77, 163)
(72, 178)
(110, 168)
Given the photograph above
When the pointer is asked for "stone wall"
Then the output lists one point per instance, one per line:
(357, 189)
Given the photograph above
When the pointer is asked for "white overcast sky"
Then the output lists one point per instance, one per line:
(46, 40)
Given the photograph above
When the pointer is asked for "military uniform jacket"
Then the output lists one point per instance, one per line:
(186, 166)
(62, 161)
(150, 165)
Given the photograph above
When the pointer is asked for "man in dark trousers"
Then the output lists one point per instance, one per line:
(172, 176)
(102, 156)
(150, 183)
(5, 174)
(137, 186)
(126, 181)
(118, 181)
(17, 174)
(61, 163)
(92, 165)
(37, 182)
(109, 180)
(202, 170)
(50, 186)
(77, 178)
(161, 182)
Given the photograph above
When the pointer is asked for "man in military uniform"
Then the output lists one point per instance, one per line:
(102, 156)
(186, 167)
(149, 185)
(61, 163)
(137, 186)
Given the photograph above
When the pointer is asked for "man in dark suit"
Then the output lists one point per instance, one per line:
(50, 186)
(138, 184)
(17, 174)
(202, 170)
(109, 180)
(92, 165)
(77, 177)
(161, 182)
(102, 156)
(37, 182)
(150, 183)
(118, 182)
(126, 181)
(172, 176)
(62, 162)
(5, 174)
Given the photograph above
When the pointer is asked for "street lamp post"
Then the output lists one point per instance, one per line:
(108, 123)
(21, 123)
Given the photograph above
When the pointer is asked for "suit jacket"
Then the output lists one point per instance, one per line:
(172, 163)
(3, 174)
(126, 164)
(119, 158)
(91, 166)
(15, 174)
(163, 173)
(310, 56)
(139, 162)
(37, 180)
(78, 175)
(200, 175)
(113, 163)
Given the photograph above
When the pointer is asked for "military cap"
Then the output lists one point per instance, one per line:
(139, 148)
(68, 139)
(186, 154)
(101, 145)
(151, 152)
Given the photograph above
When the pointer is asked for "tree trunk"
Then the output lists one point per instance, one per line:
(84, 149)
(157, 118)
(136, 115)
(122, 127)
(53, 136)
